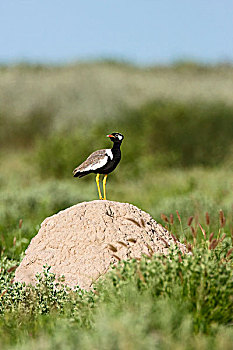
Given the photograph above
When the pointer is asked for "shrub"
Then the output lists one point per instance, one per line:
(156, 300)
(159, 134)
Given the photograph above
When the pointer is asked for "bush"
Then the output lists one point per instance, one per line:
(20, 219)
(16, 133)
(177, 134)
(160, 134)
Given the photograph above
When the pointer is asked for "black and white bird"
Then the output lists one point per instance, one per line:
(103, 161)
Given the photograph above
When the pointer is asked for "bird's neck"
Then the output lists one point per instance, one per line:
(116, 148)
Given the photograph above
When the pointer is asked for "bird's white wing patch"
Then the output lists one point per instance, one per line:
(109, 153)
(95, 161)
(97, 165)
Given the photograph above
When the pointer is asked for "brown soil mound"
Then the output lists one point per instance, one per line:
(82, 241)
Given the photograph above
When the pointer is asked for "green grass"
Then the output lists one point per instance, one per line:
(154, 302)
(30, 198)
(177, 160)
(159, 303)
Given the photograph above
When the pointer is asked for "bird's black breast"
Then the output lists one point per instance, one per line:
(111, 163)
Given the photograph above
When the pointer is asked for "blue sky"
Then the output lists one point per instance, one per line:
(142, 31)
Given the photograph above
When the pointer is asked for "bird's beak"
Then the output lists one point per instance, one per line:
(110, 136)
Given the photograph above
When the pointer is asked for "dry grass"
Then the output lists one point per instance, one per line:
(97, 90)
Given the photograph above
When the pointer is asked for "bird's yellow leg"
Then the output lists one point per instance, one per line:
(97, 179)
(104, 185)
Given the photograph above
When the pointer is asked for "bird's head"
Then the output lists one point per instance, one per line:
(116, 137)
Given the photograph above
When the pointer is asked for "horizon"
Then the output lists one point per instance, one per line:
(100, 60)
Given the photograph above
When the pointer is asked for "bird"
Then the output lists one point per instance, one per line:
(103, 161)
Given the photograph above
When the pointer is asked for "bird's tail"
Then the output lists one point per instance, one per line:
(78, 173)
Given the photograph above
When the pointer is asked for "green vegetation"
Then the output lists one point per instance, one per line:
(159, 134)
(183, 301)
(177, 156)
(39, 99)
